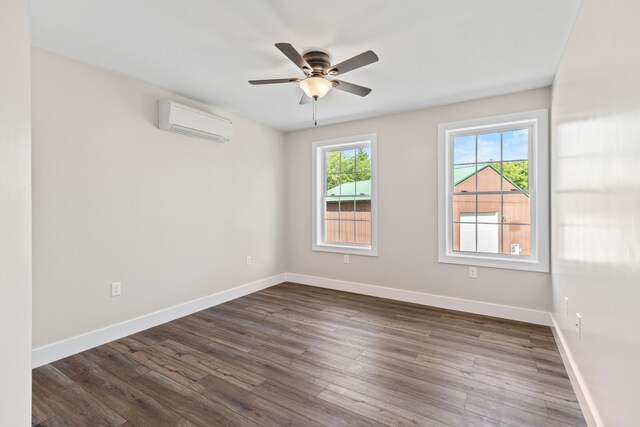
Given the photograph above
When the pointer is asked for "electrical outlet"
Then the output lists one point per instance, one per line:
(579, 324)
(248, 259)
(473, 272)
(346, 259)
(116, 289)
(566, 306)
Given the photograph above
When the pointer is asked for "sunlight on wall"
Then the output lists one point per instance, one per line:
(596, 188)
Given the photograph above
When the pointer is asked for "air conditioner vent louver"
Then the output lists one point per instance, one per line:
(179, 118)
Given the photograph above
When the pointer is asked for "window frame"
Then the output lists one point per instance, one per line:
(538, 123)
(319, 180)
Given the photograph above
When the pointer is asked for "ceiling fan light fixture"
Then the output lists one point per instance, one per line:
(315, 87)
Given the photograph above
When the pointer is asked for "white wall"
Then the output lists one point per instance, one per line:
(596, 204)
(407, 209)
(15, 215)
(116, 199)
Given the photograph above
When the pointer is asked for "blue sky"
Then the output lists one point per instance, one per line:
(515, 147)
(516, 144)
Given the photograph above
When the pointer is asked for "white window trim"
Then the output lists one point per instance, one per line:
(538, 188)
(317, 184)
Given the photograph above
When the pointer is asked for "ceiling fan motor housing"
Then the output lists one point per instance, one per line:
(319, 61)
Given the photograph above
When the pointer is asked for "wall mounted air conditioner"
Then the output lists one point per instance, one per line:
(180, 118)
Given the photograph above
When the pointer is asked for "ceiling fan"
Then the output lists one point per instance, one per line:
(316, 67)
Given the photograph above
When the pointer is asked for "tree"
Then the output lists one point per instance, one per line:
(348, 166)
(516, 172)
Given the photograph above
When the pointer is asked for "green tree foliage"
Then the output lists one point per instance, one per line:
(516, 172)
(348, 166)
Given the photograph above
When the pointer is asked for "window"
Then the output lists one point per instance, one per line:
(344, 195)
(493, 192)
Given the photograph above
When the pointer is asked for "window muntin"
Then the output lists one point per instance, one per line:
(344, 199)
(493, 191)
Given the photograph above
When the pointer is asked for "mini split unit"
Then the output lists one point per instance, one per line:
(179, 118)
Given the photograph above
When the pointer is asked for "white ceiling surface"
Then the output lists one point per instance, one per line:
(432, 52)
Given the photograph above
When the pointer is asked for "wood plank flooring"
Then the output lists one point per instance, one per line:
(303, 356)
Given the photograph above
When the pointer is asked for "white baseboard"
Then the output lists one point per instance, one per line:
(587, 404)
(61, 349)
(477, 307)
(70, 346)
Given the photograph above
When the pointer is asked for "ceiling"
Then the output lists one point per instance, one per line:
(432, 52)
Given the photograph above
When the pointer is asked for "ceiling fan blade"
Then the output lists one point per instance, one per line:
(272, 81)
(305, 99)
(295, 57)
(351, 88)
(365, 58)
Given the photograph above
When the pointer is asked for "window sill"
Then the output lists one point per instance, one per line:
(523, 264)
(347, 250)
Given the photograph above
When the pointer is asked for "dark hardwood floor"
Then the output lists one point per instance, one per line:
(303, 356)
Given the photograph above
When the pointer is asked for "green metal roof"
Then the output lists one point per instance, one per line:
(363, 188)
(348, 190)
(461, 173)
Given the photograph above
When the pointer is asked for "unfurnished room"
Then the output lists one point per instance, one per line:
(337, 213)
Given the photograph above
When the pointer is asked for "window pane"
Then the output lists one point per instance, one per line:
(347, 208)
(332, 161)
(516, 174)
(516, 208)
(347, 232)
(332, 209)
(363, 176)
(363, 232)
(348, 161)
(363, 159)
(464, 205)
(489, 208)
(333, 184)
(332, 231)
(488, 238)
(464, 237)
(464, 149)
(464, 177)
(363, 210)
(488, 147)
(363, 188)
(516, 240)
(347, 187)
(489, 177)
(515, 145)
